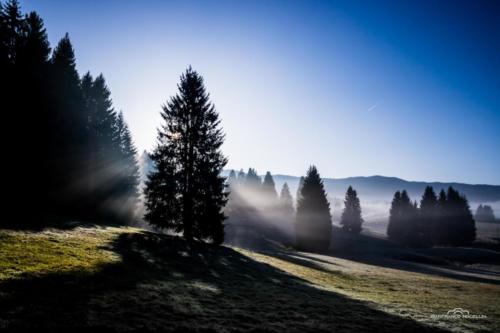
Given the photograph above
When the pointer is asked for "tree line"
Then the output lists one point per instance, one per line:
(263, 189)
(70, 152)
(308, 222)
(484, 213)
(439, 220)
(255, 205)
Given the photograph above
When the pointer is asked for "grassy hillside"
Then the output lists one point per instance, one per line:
(123, 279)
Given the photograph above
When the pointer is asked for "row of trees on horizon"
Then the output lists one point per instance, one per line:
(254, 202)
(263, 190)
(484, 213)
(439, 220)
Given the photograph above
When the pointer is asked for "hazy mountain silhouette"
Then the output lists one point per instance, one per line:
(381, 189)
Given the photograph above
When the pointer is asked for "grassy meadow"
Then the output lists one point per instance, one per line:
(123, 279)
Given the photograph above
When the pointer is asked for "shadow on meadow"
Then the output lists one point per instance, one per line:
(163, 283)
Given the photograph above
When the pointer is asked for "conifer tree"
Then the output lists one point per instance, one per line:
(24, 52)
(128, 176)
(67, 132)
(102, 148)
(461, 224)
(313, 220)
(4, 50)
(454, 225)
(286, 201)
(484, 213)
(351, 219)
(440, 226)
(12, 30)
(241, 176)
(427, 214)
(403, 220)
(231, 178)
(32, 65)
(186, 193)
(269, 188)
(232, 183)
(252, 180)
(299, 190)
(394, 227)
(34, 48)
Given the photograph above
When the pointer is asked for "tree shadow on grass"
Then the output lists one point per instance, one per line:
(370, 250)
(163, 283)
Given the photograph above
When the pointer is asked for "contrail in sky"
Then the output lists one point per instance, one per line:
(373, 107)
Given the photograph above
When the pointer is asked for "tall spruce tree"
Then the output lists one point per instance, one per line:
(241, 176)
(4, 50)
(269, 188)
(102, 151)
(484, 213)
(427, 214)
(252, 180)
(394, 227)
(67, 134)
(351, 219)
(441, 226)
(127, 190)
(232, 199)
(32, 65)
(461, 225)
(403, 220)
(313, 220)
(231, 178)
(186, 193)
(9, 86)
(286, 201)
(24, 53)
(299, 189)
(34, 49)
(12, 30)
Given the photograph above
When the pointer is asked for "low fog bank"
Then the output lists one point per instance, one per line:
(255, 217)
(376, 193)
(252, 213)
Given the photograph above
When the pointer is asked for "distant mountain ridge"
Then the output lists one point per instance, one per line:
(383, 188)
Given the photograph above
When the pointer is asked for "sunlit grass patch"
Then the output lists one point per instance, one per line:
(25, 253)
(407, 294)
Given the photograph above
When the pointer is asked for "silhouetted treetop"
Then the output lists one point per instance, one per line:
(313, 225)
(268, 186)
(484, 213)
(186, 192)
(351, 219)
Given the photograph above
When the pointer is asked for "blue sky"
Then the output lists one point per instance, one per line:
(398, 88)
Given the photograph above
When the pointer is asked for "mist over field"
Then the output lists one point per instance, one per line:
(376, 193)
